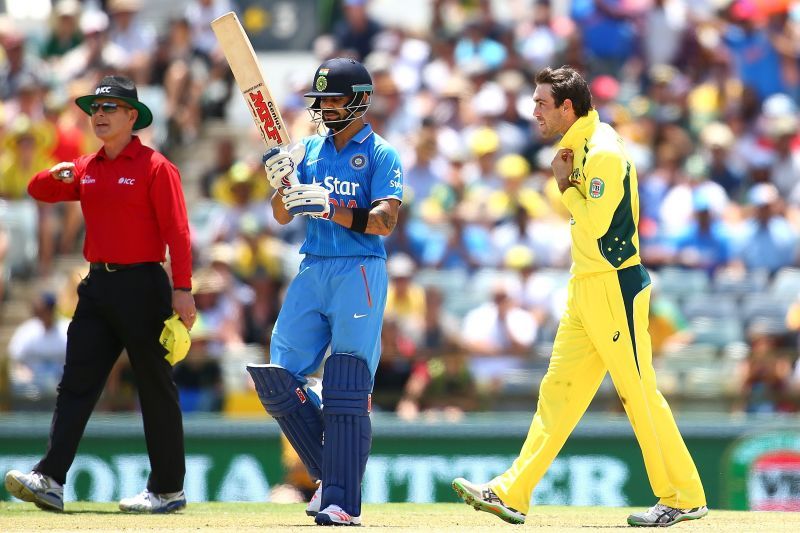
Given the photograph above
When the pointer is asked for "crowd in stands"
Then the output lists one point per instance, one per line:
(705, 93)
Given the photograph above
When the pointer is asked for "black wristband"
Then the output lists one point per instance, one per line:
(360, 219)
(184, 289)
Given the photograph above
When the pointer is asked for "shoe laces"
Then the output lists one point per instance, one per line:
(490, 496)
(42, 482)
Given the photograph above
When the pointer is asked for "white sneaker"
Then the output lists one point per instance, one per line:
(483, 498)
(333, 515)
(38, 488)
(313, 505)
(148, 502)
(661, 516)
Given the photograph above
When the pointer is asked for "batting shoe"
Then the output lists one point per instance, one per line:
(45, 492)
(483, 498)
(661, 515)
(313, 505)
(333, 515)
(151, 503)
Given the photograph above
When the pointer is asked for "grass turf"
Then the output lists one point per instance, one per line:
(244, 517)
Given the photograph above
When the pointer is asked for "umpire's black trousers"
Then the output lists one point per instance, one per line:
(116, 310)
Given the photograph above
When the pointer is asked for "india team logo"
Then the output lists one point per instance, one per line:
(596, 188)
(322, 83)
(358, 161)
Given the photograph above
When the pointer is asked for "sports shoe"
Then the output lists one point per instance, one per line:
(313, 505)
(149, 502)
(333, 515)
(35, 487)
(483, 498)
(663, 516)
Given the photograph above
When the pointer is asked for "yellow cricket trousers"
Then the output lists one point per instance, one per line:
(604, 328)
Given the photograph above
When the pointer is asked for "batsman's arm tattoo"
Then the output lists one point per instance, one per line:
(383, 217)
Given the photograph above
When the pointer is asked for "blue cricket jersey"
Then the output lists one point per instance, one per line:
(366, 170)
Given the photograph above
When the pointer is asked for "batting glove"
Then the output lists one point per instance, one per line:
(309, 200)
(281, 164)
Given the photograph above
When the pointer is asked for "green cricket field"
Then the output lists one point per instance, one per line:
(244, 517)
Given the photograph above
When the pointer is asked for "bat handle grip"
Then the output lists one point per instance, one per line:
(269, 153)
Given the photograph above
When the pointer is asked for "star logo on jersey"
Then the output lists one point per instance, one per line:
(398, 175)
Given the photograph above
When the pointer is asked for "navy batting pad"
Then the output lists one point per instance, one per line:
(346, 388)
(284, 398)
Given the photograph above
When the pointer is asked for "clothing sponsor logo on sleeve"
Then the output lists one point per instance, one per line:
(300, 395)
(127, 181)
(358, 161)
(596, 188)
(397, 182)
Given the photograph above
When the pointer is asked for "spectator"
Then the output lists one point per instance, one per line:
(225, 157)
(261, 313)
(536, 41)
(608, 32)
(405, 299)
(764, 377)
(785, 171)
(498, 336)
(444, 385)
(705, 243)
(64, 32)
(477, 50)
(199, 14)
(410, 236)
(182, 66)
(199, 375)
(756, 60)
(718, 139)
(355, 34)
(26, 150)
(221, 314)
(395, 366)
(766, 240)
(95, 55)
(37, 349)
(18, 64)
(667, 326)
(133, 36)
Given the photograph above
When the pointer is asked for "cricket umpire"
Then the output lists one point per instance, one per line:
(133, 204)
(604, 328)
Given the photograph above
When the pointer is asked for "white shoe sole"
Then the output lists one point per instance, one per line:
(21, 491)
(480, 505)
(697, 515)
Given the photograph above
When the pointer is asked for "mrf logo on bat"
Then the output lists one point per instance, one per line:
(265, 112)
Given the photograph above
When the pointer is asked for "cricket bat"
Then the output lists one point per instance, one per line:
(250, 79)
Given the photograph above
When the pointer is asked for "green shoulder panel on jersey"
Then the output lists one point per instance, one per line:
(617, 244)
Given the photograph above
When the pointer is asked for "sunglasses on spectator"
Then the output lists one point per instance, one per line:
(107, 107)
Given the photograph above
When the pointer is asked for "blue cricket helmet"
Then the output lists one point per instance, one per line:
(340, 76)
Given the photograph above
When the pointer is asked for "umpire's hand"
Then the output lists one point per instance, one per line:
(183, 304)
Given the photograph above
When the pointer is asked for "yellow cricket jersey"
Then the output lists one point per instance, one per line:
(604, 199)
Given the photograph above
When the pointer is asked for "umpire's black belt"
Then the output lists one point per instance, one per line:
(113, 267)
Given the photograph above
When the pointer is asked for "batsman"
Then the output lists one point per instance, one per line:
(347, 183)
(604, 327)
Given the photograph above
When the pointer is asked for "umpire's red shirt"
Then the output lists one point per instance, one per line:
(133, 206)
